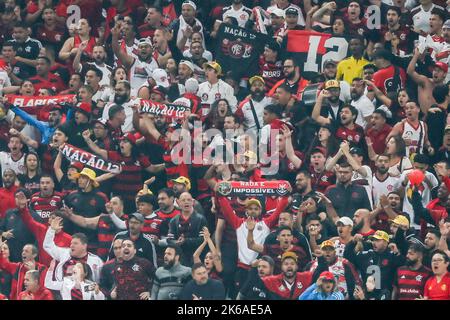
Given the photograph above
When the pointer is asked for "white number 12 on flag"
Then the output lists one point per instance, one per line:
(336, 50)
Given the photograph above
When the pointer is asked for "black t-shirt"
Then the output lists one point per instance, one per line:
(212, 290)
(254, 288)
(28, 50)
(28, 183)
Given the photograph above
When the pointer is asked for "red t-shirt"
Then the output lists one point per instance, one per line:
(383, 79)
(41, 294)
(378, 138)
(52, 82)
(7, 200)
(438, 291)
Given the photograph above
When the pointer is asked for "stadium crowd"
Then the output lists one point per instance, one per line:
(102, 198)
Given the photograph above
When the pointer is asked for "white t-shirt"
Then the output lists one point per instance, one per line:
(246, 109)
(423, 189)
(220, 90)
(6, 162)
(106, 70)
(421, 18)
(380, 188)
(4, 81)
(206, 54)
(242, 15)
(397, 169)
(365, 108)
(140, 71)
(128, 126)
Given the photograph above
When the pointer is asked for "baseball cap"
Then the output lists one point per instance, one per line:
(380, 235)
(76, 165)
(57, 107)
(146, 41)
(249, 202)
(191, 85)
(161, 78)
(446, 24)
(292, 11)
(215, 65)
(289, 254)
(137, 216)
(401, 220)
(84, 107)
(332, 84)
(278, 12)
(101, 121)
(327, 244)
(346, 221)
(327, 275)
(187, 63)
(190, 3)
(357, 151)
(441, 65)
(130, 137)
(183, 180)
(159, 90)
(329, 61)
(256, 78)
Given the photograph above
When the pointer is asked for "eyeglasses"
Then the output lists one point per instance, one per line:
(437, 260)
(287, 67)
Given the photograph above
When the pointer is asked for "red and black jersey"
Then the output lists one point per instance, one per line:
(229, 234)
(199, 171)
(279, 288)
(321, 181)
(173, 170)
(44, 206)
(133, 277)
(384, 79)
(55, 37)
(411, 283)
(52, 82)
(357, 28)
(129, 181)
(355, 136)
(275, 252)
(158, 223)
(271, 72)
(106, 233)
(403, 33)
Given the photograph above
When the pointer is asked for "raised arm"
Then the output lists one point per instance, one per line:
(77, 60)
(24, 138)
(68, 50)
(29, 119)
(50, 247)
(290, 153)
(251, 244)
(95, 148)
(345, 147)
(198, 252)
(88, 223)
(396, 130)
(331, 211)
(126, 59)
(57, 166)
(318, 106)
(331, 162)
(273, 218)
(228, 212)
(421, 80)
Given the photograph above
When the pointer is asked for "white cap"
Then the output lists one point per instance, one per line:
(278, 12)
(346, 221)
(187, 63)
(161, 78)
(147, 41)
(191, 85)
(190, 3)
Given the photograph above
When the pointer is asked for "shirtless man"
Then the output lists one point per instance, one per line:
(425, 84)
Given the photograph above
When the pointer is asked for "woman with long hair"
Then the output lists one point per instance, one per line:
(216, 116)
(212, 260)
(79, 286)
(31, 177)
(396, 150)
(118, 74)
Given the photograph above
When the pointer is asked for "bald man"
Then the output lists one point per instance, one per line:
(361, 221)
(185, 228)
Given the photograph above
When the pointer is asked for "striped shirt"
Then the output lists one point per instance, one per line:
(411, 283)
(45, 206)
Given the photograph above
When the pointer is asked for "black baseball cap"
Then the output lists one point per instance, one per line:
(274, 46)
(292, 11)
(357, 151)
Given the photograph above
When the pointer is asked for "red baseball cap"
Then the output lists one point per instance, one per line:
(77, 165)
(441, 65)
(84, 107)
(130, 137)
(327, 275)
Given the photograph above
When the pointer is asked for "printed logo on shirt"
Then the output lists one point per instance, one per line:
(419, 278)
(217, 96)
(205, 97)
(299, 285)
(135, 268)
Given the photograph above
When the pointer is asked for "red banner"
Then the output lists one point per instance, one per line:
(172, 111)
(74, 154)
(278, 188)
(28, 102)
